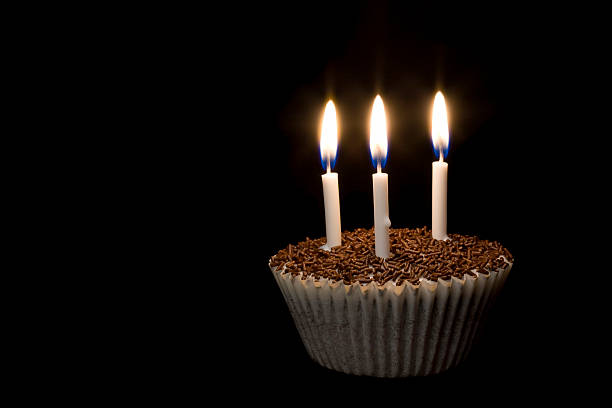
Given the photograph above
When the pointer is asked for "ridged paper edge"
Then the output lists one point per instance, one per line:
(389, 330)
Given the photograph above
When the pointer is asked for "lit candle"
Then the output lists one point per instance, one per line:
(378, 151)
(439, 136)
(331, 197)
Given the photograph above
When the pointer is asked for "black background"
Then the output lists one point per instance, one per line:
(513, 81)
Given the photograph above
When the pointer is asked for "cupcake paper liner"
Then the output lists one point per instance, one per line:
(389, 330)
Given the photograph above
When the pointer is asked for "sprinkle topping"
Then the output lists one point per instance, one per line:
(414, 255)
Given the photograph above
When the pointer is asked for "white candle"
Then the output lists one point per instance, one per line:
(440, 139)
(438, 200)
(331, 200)
(380, 180)
(331, 196)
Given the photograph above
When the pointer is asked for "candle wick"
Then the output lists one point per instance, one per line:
(378, 167)
(328, 166)
(441, 156)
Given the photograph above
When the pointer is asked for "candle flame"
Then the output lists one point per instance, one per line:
(378, 133)
(329, 137)
(439, 126)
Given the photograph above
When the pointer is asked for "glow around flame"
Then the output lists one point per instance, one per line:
(329, 136)
(378, 133)
(439, 126)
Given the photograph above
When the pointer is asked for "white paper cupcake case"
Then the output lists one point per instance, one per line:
(389, 331)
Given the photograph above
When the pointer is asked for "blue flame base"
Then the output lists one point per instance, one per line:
(444, 154)
(382, 162)
(325, 160)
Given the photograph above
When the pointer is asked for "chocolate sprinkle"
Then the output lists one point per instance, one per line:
(414, 255)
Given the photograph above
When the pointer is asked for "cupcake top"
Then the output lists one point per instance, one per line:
(414, 255)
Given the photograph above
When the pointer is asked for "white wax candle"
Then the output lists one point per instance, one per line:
(331, 196)
(438, 200)
(439, 136)
(382, 223)
(331, 199)
(378, 150)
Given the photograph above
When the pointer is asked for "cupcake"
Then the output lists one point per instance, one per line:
(414, 313)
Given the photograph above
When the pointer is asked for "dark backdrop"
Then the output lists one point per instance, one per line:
(262, 80)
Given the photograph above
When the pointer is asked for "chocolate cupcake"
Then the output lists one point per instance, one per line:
(414, 313)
